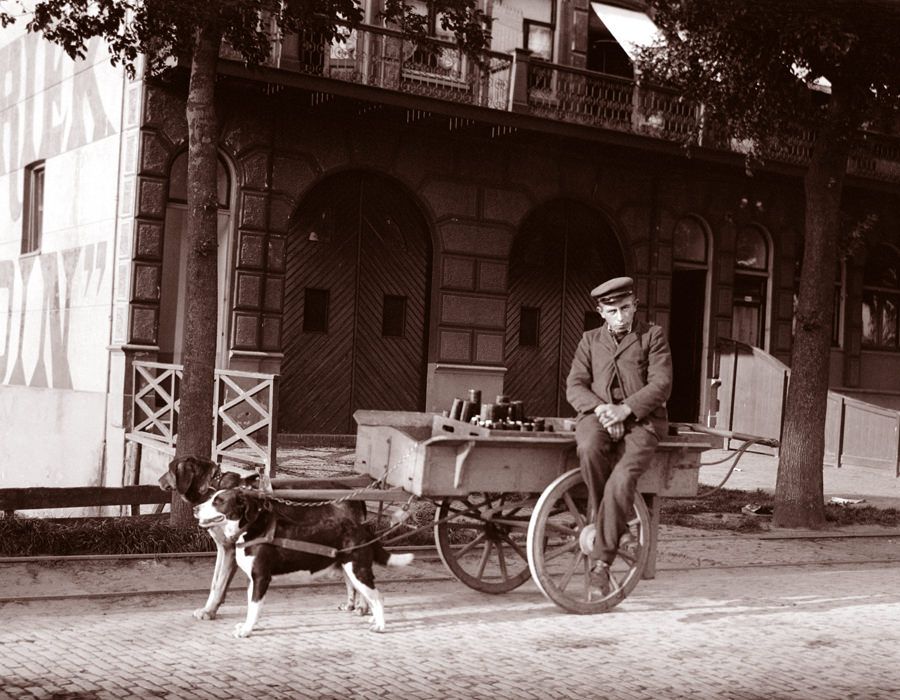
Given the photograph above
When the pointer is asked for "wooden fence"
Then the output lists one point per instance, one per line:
(752, 390)
(245, 414)
(41, 498)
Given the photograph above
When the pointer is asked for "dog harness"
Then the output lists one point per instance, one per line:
(296, 545)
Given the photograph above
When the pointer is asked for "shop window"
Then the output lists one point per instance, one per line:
(751, 282)
(33, 213)
(393, 316)
(689, 242)
(529, 327)
(881, 299)
(315, 310)
(837, 303)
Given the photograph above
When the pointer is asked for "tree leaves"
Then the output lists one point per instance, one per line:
(162, 30)
(758, 65)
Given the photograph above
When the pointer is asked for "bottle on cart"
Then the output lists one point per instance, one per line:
(475, 401)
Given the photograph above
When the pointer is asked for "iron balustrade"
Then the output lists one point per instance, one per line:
(383, 58)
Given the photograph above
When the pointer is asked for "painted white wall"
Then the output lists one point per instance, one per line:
(56, 304)
(40, 437)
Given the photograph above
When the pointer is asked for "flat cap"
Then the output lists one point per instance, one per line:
(613, 289)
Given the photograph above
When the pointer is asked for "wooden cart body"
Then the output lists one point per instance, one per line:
(428, 455)
(432, 456)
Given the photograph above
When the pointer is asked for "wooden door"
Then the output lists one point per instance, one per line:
(562, 252)
(686, 341)
(356, 298)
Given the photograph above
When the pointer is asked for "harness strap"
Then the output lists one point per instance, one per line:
(296, 545)
(308, 547)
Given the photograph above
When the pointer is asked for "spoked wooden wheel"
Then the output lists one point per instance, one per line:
(560, 536)
(481, 539)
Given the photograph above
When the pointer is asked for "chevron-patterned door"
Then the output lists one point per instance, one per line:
(355, 306)
(562, 251)
(390, 365)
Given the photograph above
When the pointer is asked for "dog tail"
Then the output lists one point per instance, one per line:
(385, 558)
(400, 559)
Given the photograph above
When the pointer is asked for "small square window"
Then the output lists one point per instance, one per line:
(33, 213)
(538, 38)
(393, 316)
(315, 310)
(529, 327)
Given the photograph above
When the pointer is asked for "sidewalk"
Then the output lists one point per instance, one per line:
(877, 487)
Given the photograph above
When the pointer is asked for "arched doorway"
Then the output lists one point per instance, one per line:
(176, 242)
(563, 250)
(691, 255)
(356, 305)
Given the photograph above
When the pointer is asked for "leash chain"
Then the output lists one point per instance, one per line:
(265, 490)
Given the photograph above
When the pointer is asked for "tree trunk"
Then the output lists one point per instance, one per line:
(799, 491)
(196, 415)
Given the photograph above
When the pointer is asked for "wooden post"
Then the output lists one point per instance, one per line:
(653, 505)
(132, 474)
(518, 93)
(272, 453)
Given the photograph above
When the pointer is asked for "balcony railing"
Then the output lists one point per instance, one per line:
(381, 58)
(609, 102)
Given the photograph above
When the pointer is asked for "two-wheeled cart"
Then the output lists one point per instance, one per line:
(512, 505)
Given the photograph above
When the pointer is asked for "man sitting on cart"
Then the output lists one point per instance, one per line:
(620, 379)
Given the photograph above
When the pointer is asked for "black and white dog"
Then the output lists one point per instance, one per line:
(196, 479)
(273, 537)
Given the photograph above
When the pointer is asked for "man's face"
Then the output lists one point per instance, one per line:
(619, 313)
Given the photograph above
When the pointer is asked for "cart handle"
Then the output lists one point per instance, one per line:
(734, 435)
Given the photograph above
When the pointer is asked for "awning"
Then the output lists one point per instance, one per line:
(630, 28)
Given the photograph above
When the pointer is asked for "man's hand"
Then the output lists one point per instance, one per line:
(616, 431)
(612, 418)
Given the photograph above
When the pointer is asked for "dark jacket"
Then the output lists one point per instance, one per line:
(644, 364)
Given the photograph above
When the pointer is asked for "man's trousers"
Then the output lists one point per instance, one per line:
(613, 468)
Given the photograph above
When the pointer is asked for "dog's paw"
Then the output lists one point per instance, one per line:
(376, 627)
(242, 630)
(204, 614)
(355, 608)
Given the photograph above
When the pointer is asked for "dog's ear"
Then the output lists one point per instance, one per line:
(183, 467)
(230, 480)
(203, 472)
(249, 505)
(167, 481)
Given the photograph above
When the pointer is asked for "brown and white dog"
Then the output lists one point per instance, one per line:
(275, 537)
(195, 479)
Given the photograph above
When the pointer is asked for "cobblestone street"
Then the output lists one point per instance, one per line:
(817, 633)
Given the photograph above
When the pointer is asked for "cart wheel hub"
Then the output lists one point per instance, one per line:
(587, 538)
(493, 531)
